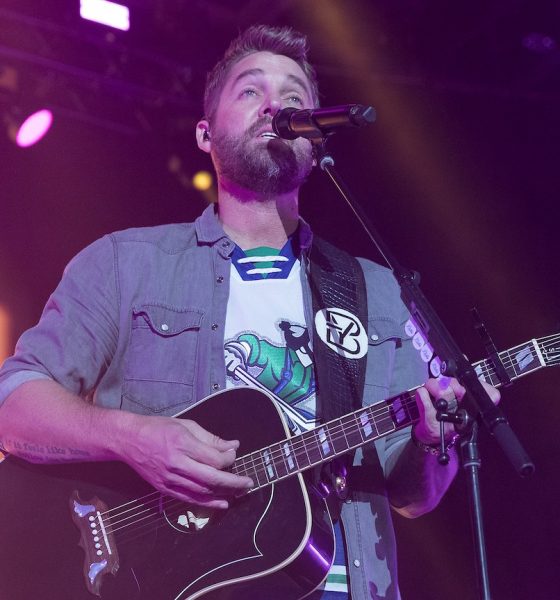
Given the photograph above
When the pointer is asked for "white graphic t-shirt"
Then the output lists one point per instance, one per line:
(267, 345)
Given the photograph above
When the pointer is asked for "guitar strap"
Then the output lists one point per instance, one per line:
(339, 298)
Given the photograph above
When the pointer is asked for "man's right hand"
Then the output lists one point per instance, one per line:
(176, 456)
(180, 458)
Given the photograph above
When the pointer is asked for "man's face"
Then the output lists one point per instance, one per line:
(244, 149)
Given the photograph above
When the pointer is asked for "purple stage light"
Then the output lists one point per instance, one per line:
(34, 128)
(107, 13)
(539, 43)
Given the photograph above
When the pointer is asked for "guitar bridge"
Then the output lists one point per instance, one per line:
(96, 540)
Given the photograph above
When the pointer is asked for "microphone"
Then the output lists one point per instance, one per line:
(291, 123)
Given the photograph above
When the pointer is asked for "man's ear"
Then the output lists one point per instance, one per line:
(203, 138)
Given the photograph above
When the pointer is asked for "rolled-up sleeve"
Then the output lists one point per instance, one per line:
(76, 336)
(407, 369)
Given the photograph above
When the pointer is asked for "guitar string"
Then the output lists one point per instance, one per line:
(253, 463)
(173, 505)
(487, 371)
(146, 511)
(116, 525)
(297, 444)
(377, 411)
(484, 365)
(173, 508)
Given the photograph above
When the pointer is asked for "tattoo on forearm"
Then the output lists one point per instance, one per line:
(43, 454)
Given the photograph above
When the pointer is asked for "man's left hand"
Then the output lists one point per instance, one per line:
(427, 429)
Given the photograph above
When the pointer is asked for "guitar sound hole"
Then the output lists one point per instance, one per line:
(189, 518)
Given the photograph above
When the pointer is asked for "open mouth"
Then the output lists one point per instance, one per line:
(270, 135)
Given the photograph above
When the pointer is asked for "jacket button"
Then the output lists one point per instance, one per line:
(164, 327)
(356, 563)
(219, 279)
(214, 326)
(215, 386)
(374, 337)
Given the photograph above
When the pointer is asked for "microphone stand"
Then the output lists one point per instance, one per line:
(453, 363)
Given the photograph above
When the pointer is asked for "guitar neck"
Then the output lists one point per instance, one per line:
(306, 450)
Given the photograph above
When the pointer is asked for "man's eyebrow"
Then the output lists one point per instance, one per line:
(247, 73)
(299, 81)
(256, 71)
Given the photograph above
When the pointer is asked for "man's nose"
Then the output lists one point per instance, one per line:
(270, 107)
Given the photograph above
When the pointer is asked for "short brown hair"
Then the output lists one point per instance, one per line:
(259, 38)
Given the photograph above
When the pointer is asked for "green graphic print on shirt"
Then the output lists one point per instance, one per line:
(286, 371)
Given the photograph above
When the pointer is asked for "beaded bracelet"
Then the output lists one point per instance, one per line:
(434, 449)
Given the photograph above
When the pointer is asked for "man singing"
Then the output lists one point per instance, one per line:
(147, 322)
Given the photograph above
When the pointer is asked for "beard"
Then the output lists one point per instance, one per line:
(268, 167)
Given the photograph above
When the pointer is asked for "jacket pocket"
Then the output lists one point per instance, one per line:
(161, 358)
(382, 329)
(384, 336)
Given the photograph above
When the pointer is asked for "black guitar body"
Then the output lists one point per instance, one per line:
(275, 543)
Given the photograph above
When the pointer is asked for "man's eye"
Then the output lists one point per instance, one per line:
(249, 92)
(295, 100)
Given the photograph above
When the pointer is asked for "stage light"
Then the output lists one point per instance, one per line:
(202, 180)
(107, 13)
(30, 130)
(539, 43)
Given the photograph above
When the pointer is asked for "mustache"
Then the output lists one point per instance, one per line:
(258, 125)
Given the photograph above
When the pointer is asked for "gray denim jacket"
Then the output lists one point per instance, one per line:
(137, 323)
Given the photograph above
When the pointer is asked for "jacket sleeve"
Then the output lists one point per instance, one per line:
(399, 366)
(76, 336)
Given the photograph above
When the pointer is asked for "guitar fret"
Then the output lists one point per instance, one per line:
(259, 468)
(339, 441)
(310, 448)
(400, 410)
(366, 424)
(486, 372)
(351, 430)
(479, 370)
(313, 448)
(280, 461)
(269, 465)
(538, 353)
(324, 441)
(527, 360)
(239, 466)
(358, 428)
(384, 422)
(291, 457)
(246, 465)
(518, 361)
(303, 457)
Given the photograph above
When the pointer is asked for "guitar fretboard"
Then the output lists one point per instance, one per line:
(518, 361)
(301, 452)
(336, 437)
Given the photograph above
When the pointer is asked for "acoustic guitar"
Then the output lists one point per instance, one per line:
(81, 530)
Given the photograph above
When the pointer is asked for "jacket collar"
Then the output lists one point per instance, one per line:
(209, 230)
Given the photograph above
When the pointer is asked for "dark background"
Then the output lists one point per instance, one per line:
(460, 173)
